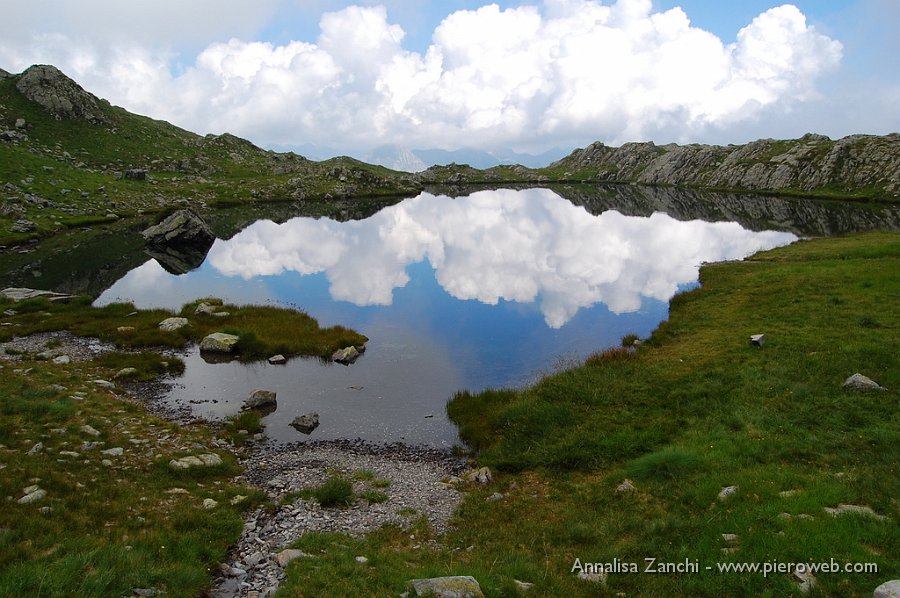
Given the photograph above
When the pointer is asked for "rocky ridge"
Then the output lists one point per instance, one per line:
(813, 163)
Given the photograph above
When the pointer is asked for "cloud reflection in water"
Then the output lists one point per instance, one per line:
(524, 246)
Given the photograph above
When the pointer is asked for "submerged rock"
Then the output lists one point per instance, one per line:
(346, 356)
(306, 423)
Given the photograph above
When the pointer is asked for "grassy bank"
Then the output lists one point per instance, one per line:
(105, 523)
(694, 410)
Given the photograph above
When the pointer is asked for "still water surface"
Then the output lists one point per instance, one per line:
(487, 290)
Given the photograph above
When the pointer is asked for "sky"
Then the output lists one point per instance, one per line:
(525, 75)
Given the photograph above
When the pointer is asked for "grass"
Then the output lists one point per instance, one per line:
(694, 409)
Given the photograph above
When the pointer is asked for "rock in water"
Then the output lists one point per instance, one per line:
(219, 342)
(346, 356)
(306, 423)
(260, 398)
(180, 242)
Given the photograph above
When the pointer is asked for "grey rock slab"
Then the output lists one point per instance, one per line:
(456, 586)
(172, 324)
(32, 497)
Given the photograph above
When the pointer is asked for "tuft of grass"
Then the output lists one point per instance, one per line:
(333, 492)
(373, 496)
(666, 464)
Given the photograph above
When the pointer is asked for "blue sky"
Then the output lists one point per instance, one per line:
(527, 75)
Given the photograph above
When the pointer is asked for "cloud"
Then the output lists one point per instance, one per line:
(570, 71)
(524, 246)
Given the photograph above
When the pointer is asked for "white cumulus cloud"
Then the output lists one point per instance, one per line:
(566, 72)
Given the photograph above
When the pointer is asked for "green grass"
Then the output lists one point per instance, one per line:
(694, 409)
(333, 492)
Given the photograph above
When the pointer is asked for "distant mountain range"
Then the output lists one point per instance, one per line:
(416, 160)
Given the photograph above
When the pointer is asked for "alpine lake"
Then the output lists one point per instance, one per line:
(456, 289)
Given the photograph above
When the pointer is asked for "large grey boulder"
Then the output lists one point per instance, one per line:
(889, 589)
(59, 95)
(180, 242)
(305, 424)
(859, 382)
(456, 586)
(219, 342)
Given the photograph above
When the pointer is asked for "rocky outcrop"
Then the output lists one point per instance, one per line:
(59, 95)
(813, 163)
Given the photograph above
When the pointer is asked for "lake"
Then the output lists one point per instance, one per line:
(489, 289)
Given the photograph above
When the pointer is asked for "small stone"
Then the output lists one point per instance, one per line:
(72, 454)
(842, 509)
(205, 309)
(172, 324)
(104, 384)
(113, 452)
(144, 592)
(305, 424)
(362, 560)
(90, 430)
(593, 577)
(209, 503)
(62, 360)
(727, 491)
(859, 382)
(807, 579)
(494, 497)
(758, 340)
(125, 373)
(889, 589)
(626, 486)
(125, 329)
(38, 447)
(481, 476)
(286, 556)
(346, 356)
(106, 463)
(34, 496)
(523, 586)
(730, 538)
(277, 359)
(788, 493)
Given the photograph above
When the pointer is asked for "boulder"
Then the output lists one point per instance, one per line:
(21, 294)
(305, 424)
(277, 359)
(204, 460)
(172, 324)
(480, 476)
(219, 342)
(136, 174)
(859, 382)
(889, 589)
(180, 242)
(758, 340)
(260, 398)
(286, 556)
(457, 586)
(346, 356)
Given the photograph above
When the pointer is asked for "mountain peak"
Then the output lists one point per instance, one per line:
(59, 95)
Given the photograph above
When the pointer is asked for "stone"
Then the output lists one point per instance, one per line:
(172, 324)
(204, 460)
(626, 486)
(306, 423)
(345, 356)
(731, 538)
(183, 228)
(286, 556)
(144, 592)
(125, 329)
(889, 589)
(23, 293)
(494, 497)
(727, 491)
(62, 360)
(113, 452)
(219, 342)
(259, 398)
(480, 476)
(23, 225)
(593, 577)
(205, 309)
(523, 586)
(843, 509)
(758, 340)
(457, 586)
(362, 560)
(87, 429)
(136, 174)
(807, 579)
(859, 382)
(20, 123)
(36, 448)
(125, 373)
(33, 496)
(209, 503)
(104, 384)
(277, 359)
